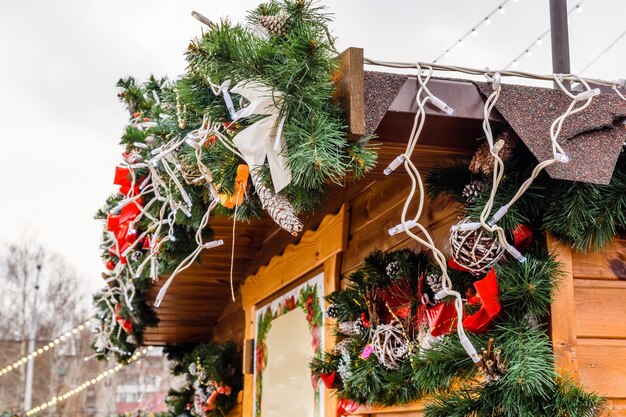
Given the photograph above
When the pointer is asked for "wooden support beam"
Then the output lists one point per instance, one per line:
(350, 91)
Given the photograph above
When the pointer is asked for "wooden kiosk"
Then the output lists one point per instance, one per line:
(588, 326)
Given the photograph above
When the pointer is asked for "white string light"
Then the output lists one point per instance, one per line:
(32, 355)
(86, 384)
(500, 9)
(504, 73)
(601, 54)
(539, 40)
(422, 97)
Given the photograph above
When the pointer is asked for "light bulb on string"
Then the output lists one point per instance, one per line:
(474, 32)
(579, 8)
(529, 53)
(487, 21)
(515, 63)
(502, 10)
(539, 42)
(448, 54)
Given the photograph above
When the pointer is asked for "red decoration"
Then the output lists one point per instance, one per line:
(219, 389)
(364, 320)
(261, 357)
(452, 264)
(522, 236)
(136, 114)
(345, 407)
(110, 265)
(398, 296)
(442, 318)
(126, 325)
(488, 297)
(328, 379)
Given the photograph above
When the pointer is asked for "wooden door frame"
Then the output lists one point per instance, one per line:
(317, 249)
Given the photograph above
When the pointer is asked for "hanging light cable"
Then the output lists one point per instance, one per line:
(51, 345)
(60, 398)
(601, 54)
(500, 9)
(539, 40)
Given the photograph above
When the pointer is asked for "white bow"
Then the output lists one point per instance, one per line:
(264, 138)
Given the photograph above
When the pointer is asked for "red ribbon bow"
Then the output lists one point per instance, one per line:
(219, 389)
(125, 324)
(345, 407)
(488, 297)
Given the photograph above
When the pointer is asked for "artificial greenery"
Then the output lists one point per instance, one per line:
(529, 384)
(585, 216)
(206, 368)
(297, 63)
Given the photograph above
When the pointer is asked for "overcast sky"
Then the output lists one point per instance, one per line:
(59, 60)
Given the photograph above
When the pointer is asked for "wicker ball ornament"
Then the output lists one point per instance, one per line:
(475, 250)
(390, 345)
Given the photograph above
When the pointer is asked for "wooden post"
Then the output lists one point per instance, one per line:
(564, 339)
(560, 37)
(248, 378)
(350, 91)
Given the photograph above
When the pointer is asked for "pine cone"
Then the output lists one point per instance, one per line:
(278, 207)
(332, 312)
(472, 190)
(276, 25)
(392, 269)
(352, 328)
(482, 161)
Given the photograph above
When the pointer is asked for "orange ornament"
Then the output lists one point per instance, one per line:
(241, 182)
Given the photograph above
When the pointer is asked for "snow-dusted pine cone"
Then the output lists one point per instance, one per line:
(332, 312)
(392, 269)
(352, 328)
(278, 207)
(431, 286)
(276, 25)
(472, 190)
(482, 161)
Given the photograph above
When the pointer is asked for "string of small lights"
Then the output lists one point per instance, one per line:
(54, 343)
(86, 384)
(528, 51)
(601, 54)
(500, 9)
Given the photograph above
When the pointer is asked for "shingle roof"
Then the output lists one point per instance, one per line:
(593, 138)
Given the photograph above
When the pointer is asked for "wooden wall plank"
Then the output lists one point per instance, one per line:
(563, 319)
(600, 308)
(248, 379)
(312, 250)
(412, 409)
(437, 217)
(602, 369)
(610, 263)
(614, 407)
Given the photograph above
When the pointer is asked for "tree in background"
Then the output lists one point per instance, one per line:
(62, 303)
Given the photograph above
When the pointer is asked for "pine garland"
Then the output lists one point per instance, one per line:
(205, 367)
(295, 59)
(528, 384)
